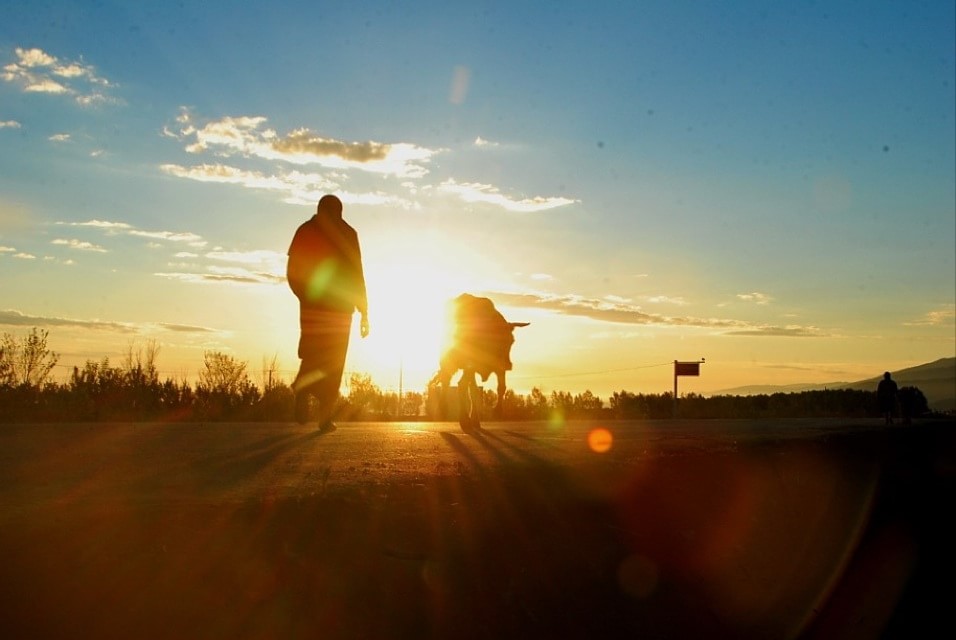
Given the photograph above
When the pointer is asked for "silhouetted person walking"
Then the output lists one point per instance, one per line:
(325, 273)
(886, 397)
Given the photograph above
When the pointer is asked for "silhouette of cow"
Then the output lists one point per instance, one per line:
(479, 342)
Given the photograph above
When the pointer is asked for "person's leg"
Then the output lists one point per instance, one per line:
(316, 348)
(336, 345)
(304, 387)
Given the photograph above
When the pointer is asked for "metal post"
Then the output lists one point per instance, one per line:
(675, 390)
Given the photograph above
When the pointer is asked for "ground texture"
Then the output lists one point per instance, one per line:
(671, 529)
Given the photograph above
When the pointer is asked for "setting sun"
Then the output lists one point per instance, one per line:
(408, 296)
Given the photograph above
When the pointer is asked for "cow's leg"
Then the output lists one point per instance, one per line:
(502, 386)
(469, 401)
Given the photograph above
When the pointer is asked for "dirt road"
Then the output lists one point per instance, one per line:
(665, 529)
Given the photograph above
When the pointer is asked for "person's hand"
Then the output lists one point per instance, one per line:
(364, 326)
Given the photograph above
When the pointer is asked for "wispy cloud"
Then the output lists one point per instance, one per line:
(24, 256)
(623, 313)
(661, 299)
(7, 249)
(12, 317)
(485, 144)
(788, 331)
(308, 187)
(229, 276)
(9, 124)
(99, 224)
(249, 136)
(473, 192)
(191, 239)
(829, 370)
(123, 228)
(79, 245)
(259, 266)
(756, 297)
(16, 318)
(943, 316)
(185, 328)
(59, 137)
(36, 71)
(298, 187)
(237, 267)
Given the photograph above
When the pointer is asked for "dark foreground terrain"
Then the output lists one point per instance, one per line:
(716, 529)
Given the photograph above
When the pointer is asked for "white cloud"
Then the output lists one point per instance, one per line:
(261, 263)
(79, 245)
(9, 124)
(248, 136)
(191, 239)
(112, 228)
(101, 224)
(661, 299)
(481, 142)
(298, 187)
(24, 256)
(755, 297)
(7, 249)
(226, 276)
(488, 194)
(59, 137)
(943, 316)
(45, 85)
(37, 71)
(30, 58)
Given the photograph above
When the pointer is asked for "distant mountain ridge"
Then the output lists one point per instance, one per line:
(937, 381)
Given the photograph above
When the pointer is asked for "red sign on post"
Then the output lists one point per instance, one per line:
(686, 368)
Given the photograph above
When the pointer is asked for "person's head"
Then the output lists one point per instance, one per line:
(886, 375)
(329, 206)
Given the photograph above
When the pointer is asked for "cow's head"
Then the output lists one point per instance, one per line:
(503, 352)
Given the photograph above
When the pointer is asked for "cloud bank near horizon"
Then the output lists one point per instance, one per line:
(618, 312)
(12, 317)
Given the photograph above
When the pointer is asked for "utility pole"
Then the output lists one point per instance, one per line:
(401, 363)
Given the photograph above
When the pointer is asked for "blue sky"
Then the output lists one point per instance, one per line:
(767, 185)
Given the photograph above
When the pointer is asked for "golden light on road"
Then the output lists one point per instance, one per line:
(600, 440)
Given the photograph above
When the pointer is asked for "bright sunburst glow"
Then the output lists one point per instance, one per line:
(408, 299)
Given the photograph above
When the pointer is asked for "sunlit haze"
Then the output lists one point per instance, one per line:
(768, 187)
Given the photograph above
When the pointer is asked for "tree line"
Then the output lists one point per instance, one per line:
(132, 390)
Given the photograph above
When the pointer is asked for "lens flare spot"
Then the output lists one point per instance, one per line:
(600, 440)
(556, 421)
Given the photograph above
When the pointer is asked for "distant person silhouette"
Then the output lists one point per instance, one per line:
(325, 273)
(886, 392)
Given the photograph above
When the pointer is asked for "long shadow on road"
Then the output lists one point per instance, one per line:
(742, 544)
